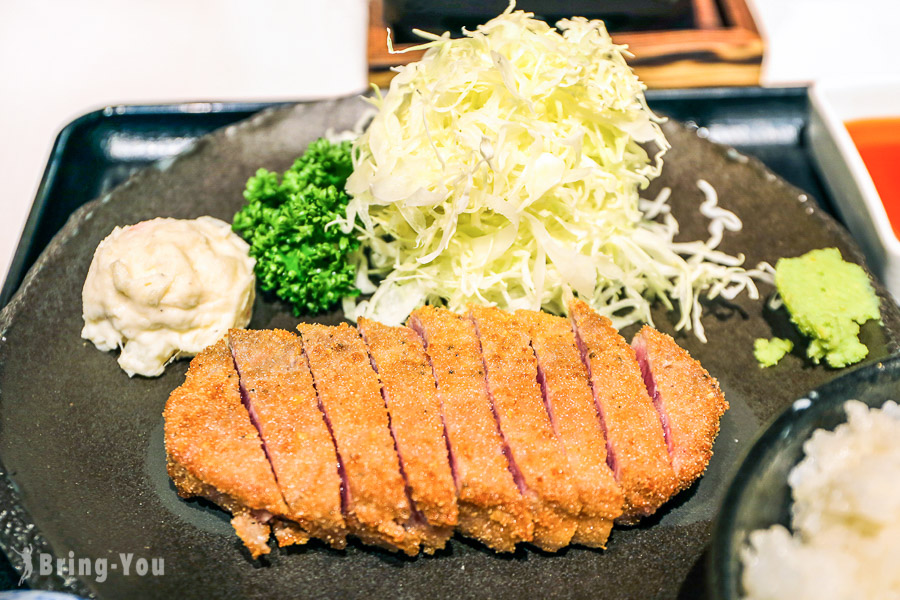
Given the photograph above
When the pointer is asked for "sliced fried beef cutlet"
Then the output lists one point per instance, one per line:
(408, 388)
(573, 414)
(689, 401)
(537, 457)
(376, 508)
(491, 508)
(507, 428)
(213, 450)
(278, 391)
(635, 442)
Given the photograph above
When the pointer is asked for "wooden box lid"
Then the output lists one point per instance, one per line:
(723, 48)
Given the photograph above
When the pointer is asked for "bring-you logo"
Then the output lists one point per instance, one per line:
(98, 568)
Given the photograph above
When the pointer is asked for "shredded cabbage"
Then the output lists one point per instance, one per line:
(505, 168)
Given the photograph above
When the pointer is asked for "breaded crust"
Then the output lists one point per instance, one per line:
(409, 392)
(635, 443)
(512, 428)
(688, 399)
(213, 448)
(289, 533)
(253, 532)
(573, 414)
(375, 504)
(252, 526)
(491, 509)
(277, 387)
(538, 458)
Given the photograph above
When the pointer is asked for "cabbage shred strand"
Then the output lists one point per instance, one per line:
(505, 168)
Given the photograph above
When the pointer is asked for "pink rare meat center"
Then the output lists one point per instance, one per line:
(513, 467)
(417, 516)
(610, 450)
(345, 489)
(254, 417)
(542, 381)
(416, 326)
(640, 350)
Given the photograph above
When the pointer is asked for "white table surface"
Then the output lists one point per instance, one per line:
(60, 59)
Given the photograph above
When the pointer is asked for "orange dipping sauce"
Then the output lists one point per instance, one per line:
(878, 142)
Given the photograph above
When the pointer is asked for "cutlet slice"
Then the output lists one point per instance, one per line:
(689, 401)
(375, 504)
(408, 389)
(635, 443)
(537, 457)
(491, 509)
(570, 405)
(214, 451)
(277, 389)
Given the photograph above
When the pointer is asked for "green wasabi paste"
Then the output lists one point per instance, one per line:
(769, 352)
(828, 299)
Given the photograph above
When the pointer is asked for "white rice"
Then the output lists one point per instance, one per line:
(846, 517)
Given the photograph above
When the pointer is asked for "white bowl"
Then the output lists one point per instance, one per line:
(842, 168)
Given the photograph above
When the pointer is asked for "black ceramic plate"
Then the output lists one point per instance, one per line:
(759, 496)
(82, 444)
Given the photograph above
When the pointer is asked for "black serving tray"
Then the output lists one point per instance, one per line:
(102, 149)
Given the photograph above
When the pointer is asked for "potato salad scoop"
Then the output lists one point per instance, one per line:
(166, 288)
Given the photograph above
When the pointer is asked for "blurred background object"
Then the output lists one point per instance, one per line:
(828, 40)
(60, 59)
(676, 43)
